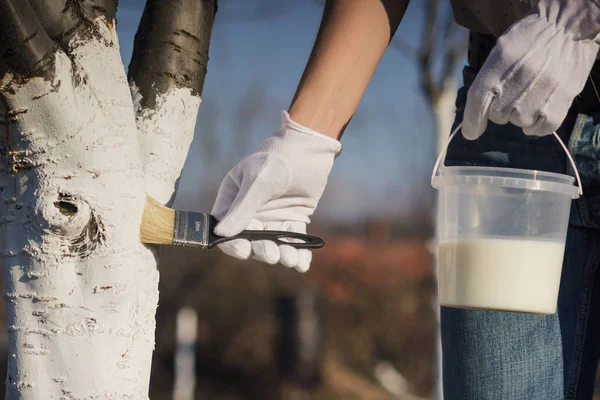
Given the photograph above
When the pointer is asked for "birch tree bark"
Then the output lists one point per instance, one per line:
(79, 151)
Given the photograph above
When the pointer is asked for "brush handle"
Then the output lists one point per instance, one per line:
(278, 237)
(197, 230)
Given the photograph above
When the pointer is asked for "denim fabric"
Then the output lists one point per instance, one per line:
(495, 355)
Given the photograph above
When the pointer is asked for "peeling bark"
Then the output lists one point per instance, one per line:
(78, 157)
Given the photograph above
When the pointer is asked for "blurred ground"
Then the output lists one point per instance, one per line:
(368, 296)
(372, 301)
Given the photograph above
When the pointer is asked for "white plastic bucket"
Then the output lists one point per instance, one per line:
(501, 235)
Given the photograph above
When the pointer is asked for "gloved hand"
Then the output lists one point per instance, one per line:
(275, 188)
(537, 68)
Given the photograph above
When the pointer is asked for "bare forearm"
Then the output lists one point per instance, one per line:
(352, 39)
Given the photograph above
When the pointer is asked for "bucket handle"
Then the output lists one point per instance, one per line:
(442, 156)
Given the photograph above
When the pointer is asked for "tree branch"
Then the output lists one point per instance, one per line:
(166, 76)
(451, 57)
(431, 16)
(436, 42)
(171, 47)
(25, 48)
(405, 48)
(449, 27)
(63, 19)
(427, 48)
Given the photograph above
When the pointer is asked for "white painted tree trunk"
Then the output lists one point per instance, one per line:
(81, 289)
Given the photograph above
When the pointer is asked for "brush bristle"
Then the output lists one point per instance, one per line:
(158, 223)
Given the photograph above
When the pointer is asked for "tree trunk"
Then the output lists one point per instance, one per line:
(78, 156)
(444, 110)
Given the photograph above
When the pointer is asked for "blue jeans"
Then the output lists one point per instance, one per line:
(495, 355)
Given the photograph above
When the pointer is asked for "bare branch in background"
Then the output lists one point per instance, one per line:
(442, 44)
(211, 151)
(428, 82)
(405, 48)
(221, 145)
(250, 106)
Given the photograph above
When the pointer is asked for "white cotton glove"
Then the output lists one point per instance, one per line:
(275, 188)
(537, 68)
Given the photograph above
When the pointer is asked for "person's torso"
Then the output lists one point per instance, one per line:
(490, 16)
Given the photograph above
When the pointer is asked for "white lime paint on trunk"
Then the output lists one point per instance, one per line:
(81, 290)
(165, 138)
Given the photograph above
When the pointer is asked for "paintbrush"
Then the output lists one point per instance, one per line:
(164, 225)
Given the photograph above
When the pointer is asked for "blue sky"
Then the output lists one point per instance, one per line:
(255, 64)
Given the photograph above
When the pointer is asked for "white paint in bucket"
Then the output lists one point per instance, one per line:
(500, 274)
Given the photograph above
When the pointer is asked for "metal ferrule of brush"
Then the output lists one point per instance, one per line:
(191, 229)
